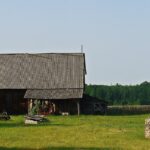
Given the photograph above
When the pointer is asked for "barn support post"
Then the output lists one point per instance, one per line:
(78, 107)
(30, 105)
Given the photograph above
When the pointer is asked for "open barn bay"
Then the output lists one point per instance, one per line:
(73, 133)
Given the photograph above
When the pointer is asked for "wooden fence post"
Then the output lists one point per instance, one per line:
(30, 105)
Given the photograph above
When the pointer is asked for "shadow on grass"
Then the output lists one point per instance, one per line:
(5, 124)
(61, 148)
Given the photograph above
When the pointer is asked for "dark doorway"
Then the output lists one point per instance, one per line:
(13, 102)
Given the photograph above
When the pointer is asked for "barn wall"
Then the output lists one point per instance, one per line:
(13, 102)
(69, 106)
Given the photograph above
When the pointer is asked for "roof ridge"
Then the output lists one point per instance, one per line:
(42, 53)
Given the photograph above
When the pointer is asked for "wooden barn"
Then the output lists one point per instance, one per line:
(57, 80)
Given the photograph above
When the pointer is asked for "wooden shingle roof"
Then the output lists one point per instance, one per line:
(51, 71)
(54, 94)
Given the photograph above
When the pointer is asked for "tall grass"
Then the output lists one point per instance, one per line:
(128, 110)
(75, 133)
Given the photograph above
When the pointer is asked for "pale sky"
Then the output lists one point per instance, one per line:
(115, 34)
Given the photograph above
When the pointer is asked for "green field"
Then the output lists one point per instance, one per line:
(73, 132)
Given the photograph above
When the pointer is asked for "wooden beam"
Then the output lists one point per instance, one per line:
(78, 107)
(30, 105)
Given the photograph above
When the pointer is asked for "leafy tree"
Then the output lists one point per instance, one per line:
(121, 94)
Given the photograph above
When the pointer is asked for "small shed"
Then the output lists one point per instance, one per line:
(93, 105)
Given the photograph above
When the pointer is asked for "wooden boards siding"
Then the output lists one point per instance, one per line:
(13, 102)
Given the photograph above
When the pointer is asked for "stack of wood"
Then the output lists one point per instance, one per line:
(35, 119)
(4, 116)
(147, 128)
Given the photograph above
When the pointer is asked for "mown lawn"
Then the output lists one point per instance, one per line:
(73, 133)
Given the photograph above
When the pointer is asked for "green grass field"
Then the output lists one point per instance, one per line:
(73, 133)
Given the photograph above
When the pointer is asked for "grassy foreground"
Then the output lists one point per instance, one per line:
(73, 133)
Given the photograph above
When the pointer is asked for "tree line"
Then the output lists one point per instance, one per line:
(121, 94)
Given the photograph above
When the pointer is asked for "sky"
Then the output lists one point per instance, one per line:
(115, 34)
